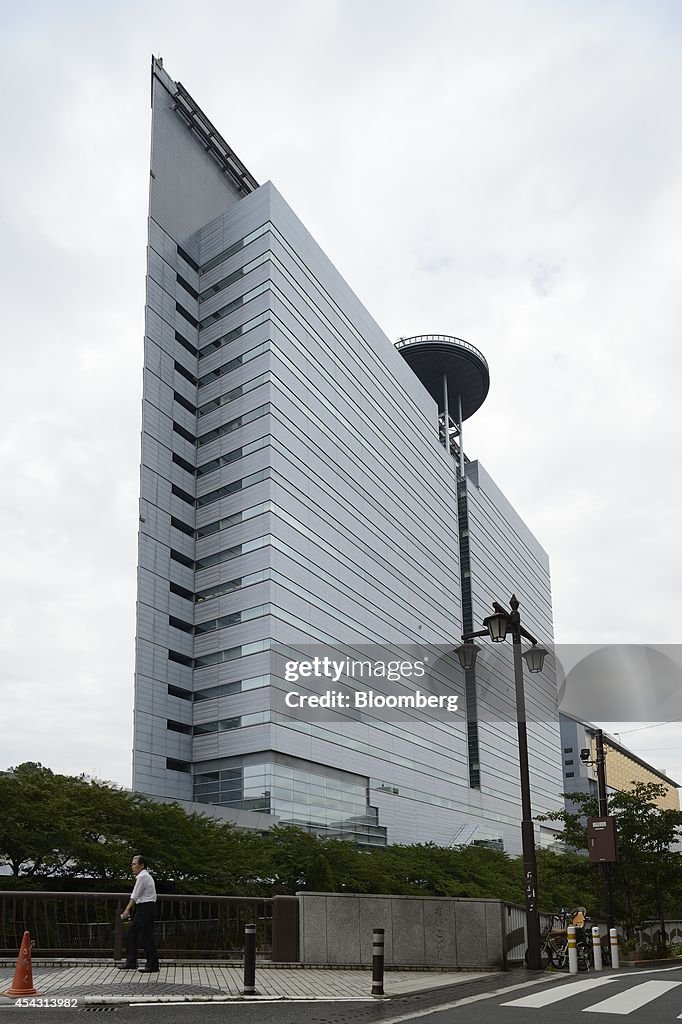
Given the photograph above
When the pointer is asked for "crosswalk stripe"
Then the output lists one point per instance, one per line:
(633, 998)
(555, 995)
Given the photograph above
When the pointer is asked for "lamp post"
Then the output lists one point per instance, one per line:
(498, 626)
(599, 763)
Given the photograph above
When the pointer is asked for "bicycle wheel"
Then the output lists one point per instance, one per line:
(558, 956)
(585, 961)
(606, 954)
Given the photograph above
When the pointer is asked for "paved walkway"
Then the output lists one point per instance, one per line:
(103, 983)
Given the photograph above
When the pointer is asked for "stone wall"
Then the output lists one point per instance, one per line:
(336, 928)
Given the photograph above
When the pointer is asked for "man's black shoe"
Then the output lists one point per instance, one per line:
(127, 967)
(148, 970)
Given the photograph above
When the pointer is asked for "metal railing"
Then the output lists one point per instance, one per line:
(89, 924)
(450, 339)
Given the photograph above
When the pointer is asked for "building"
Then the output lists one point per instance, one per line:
(623, 768)
(297, 496)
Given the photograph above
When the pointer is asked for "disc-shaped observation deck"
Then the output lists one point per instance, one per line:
(439, 358)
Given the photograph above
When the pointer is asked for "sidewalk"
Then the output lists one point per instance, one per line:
(103, 983)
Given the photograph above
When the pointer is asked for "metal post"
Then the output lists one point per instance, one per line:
(249, 988)
(615, 951)
(596, 948)
(378, 962)
(461, 439)
(118, 934)
(530, 872)
(572, 951)
(446, 413)
(604, 869)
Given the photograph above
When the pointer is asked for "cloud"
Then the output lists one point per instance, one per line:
(503, 172)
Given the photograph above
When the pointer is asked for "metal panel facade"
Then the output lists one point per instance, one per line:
(293, 492)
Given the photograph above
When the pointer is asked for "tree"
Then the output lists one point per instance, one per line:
(648, 874)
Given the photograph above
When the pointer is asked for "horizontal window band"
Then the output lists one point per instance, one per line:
(182, 527)
(188, 287)
(184, 433)
(187, 315)
(184, 464)
(235, 424)
(183, 495)
(188, 259)
(186, 344)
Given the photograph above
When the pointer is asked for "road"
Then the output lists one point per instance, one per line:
(643, 996)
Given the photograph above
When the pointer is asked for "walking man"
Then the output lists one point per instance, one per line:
(142, 907)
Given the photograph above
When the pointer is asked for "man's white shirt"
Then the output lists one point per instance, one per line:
(144, 890)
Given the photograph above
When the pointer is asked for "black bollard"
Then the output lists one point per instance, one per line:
(249, 960)
(378, 962)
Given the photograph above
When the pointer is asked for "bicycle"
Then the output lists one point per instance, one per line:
(554, 944)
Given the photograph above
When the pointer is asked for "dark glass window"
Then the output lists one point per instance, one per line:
(186, 344)
(183, 495)
(175, 588)
(178, 766)
(177, 691)
(184, 464)
(188, 287)
(188, 259)
(178, 556)
(184, 433)
(183, 527)
(181, 400)
(187, 315)
(186, 627)
(179, 727)
(184, 372)
(181, 659)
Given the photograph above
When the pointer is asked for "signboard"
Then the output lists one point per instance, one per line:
(602, 847)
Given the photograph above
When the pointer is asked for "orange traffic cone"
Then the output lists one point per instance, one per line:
(23, 975)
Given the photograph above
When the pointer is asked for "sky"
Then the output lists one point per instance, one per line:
(507, 171)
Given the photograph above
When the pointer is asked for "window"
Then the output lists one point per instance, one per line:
(181, 400)
(240, 421)
(183, 495)
(570, 775)
(177, 691)
(187, 315)
(188, 259)
(568, 750)
(187, 345)
(178, 766)
(235, 247)
(184, 372)
(187, 286)
(570, 761)
(184, 433)
(179, 727)
(175, 588)
(224, 460)
(186, 627)
(178, 556)
(227, 689)
(236, 332)
(181, 659)
(182, 527)
(184, 464)
(232, 488)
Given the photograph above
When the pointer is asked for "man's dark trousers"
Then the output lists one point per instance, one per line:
(143, 921)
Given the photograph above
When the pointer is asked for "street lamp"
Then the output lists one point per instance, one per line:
(498, 626)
